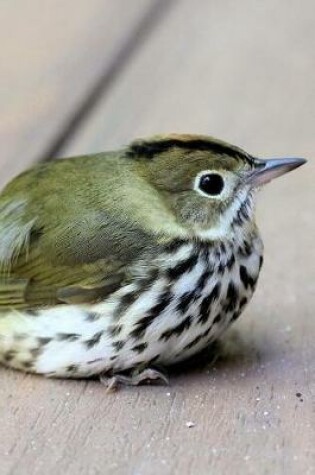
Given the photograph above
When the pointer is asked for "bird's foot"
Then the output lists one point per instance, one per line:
(146, 375)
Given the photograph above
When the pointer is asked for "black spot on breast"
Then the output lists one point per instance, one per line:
(177, 330)
(236, 315)
(184, 301)
(182, 267)
(206, 332)
(130, 298)
(96, 360)
(140, 348)
(27, 364)
(221, 268)
(92, 316)
(140, 328)
(222, 248)
(246, 249)
(125, 302)
(71, 337)
(152, 360)
(244, 211)
(247, 280)
(114, 330)
(94, 340)
(36, 352)
(231, 292)
(204, 252)
(204, 312)
(141, 325)
(193, 342)
(202, 281)
(217, 254)
(238, 220)
(231, 261)
(8, 356)
(217, 319)
(261, 261)
(164, 300)
(243, 302)
(231, 297)
(205, 309)
(73, 368)
(215, 293)
(118, 345)
(42, 341)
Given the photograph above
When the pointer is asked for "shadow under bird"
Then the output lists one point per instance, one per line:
(116, 263)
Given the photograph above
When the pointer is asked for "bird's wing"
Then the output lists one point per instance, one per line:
(76, 263)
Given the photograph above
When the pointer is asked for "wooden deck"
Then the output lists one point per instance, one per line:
(79, 77)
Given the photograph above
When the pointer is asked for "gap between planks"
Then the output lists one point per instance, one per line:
(141, 32)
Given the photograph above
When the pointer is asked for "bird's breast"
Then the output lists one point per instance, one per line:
(178, 302)
(185, 298)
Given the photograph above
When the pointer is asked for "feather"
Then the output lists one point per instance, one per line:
(14, 233)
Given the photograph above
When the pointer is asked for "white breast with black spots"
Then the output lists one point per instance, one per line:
(181, 301)
(192, 301)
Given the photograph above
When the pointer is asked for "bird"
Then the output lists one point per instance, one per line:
(117, 264)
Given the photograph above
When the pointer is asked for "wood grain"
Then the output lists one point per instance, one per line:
(52, 54)
(243, 71)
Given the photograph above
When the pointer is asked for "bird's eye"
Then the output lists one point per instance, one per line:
(211, 184)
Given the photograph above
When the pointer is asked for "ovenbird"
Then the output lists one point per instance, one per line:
(116, 262)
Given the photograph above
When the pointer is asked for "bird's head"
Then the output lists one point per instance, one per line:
(208, 185)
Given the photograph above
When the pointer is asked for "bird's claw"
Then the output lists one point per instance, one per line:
(145, 376)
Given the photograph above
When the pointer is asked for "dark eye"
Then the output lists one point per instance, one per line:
(211, 184)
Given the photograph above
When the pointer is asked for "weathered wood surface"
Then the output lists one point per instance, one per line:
(52, 56)
(243, 71)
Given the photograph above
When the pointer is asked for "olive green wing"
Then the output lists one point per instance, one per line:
(74, 263)
(33, 283)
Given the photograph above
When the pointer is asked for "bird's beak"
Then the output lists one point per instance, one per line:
(267, 170)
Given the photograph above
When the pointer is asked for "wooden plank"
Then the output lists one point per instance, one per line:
(52, 53)
(243, 71)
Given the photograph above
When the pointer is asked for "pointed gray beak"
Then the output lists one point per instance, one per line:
(267, 170)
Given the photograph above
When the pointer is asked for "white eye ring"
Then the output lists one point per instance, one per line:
(210, 183)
